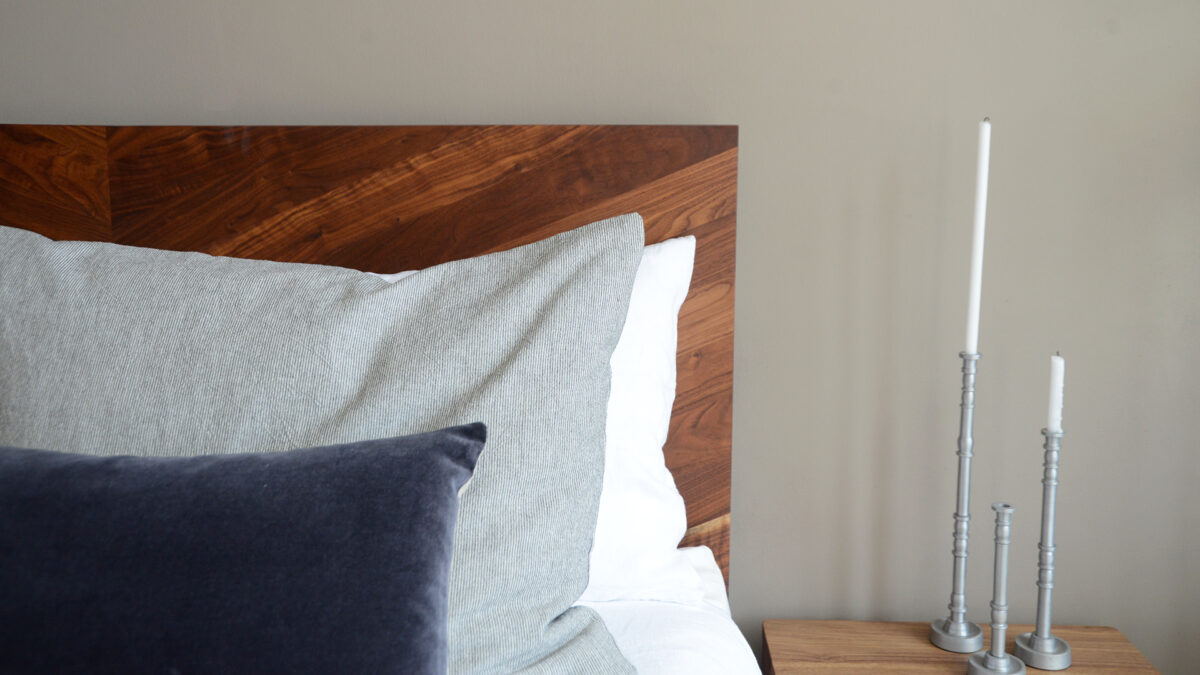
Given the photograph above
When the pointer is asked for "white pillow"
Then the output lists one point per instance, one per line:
(669, 638)
(642, 516)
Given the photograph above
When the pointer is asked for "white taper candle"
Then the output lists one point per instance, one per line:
(1058, 367)
(981, 189)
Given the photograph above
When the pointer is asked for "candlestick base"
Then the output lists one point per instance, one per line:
(1043, 653)
(963, 638)
(984, 663)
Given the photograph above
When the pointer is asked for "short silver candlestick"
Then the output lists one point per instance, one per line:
(955, 633)
(1040, 648)
(995, 660)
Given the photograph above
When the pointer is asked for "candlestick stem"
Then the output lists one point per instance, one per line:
(1045, 581)
(955, 633)
(995, 660)
(1000, 578)
(1040, 648)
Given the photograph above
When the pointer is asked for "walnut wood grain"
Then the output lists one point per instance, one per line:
(386, 199)
(54, 180)
(713, 534)
(852, 647)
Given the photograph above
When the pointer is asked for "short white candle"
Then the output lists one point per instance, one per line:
(1058, 368)
(981, 189)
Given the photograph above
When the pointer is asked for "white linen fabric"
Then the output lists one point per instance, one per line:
(671, 638)
(642, 516)
(666, 607)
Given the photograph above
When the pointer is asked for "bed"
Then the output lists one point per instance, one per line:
(387, 200)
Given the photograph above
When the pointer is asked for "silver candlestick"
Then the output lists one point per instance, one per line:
(955, 633)
(995, 660)
(1040, 648)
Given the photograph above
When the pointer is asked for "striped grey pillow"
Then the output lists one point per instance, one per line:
(120, 350)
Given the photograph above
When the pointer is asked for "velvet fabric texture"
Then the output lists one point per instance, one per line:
(323, 560)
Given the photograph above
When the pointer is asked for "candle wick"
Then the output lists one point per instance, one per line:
(1057, 353)
(987, 119)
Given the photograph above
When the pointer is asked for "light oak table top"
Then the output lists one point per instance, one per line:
(842, 647)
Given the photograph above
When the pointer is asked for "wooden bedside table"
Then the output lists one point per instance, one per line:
(890, 647)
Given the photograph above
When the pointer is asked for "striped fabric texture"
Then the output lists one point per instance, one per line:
(120, 350)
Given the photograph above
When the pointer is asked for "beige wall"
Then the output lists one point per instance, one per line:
(858, 125)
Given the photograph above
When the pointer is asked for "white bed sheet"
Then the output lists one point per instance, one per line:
(668, 638)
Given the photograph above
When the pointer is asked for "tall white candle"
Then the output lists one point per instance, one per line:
(981, 188)
(1058, 368)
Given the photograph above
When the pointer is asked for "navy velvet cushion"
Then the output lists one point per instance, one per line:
(324, 560)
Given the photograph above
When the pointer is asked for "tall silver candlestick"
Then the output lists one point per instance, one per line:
(1040, 648)
(955, 633)
(995, 660)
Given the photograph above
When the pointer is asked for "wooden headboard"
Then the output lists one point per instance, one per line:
(386, 199)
